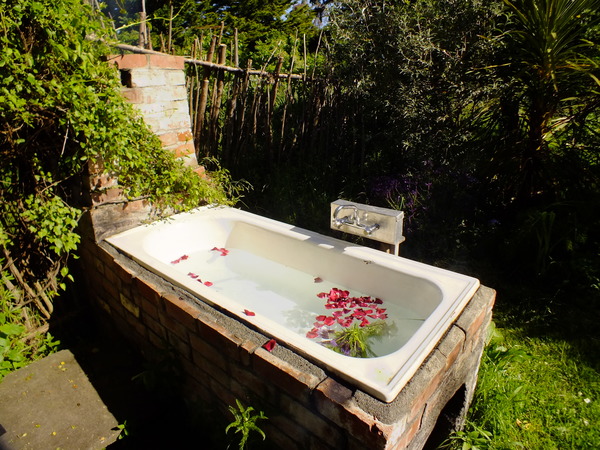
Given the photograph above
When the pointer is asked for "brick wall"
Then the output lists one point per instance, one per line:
(223, 360)
(155, 85)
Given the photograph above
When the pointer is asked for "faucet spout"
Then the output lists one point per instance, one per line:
(346, 220)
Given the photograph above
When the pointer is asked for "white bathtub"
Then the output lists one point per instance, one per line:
(275, 271)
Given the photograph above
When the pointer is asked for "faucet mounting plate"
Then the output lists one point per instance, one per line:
(380, 224)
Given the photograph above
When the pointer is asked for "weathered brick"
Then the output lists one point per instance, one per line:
(408, 435)
(134, 95)
(105, 306)
(246, 350)
(134, 206)
(209, 354)
(293, 381)
(129, 61)
(181, 310)
(111, 277)
(124, 273)
(335, 402)
(176, 138)
(432, 376)
(183, 150)
(147, 308)
(330, 398)
(155, 326)
(244, 382)
(167, 61)
(104, 256)
(219, 337)
(197, 391)
(148, 290)
(311, 421)
(136, 325)
(200, 171)
(111, 289)
(173, 325)
(157, 341)
(102, 181)
(223, 394)
(182, 346)
(108, 195)
(284, 433)
(129, 305)
(95, 166)
(451, 345)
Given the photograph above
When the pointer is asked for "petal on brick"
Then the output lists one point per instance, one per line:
(269, 346)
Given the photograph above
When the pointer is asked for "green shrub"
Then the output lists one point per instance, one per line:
(61, 107)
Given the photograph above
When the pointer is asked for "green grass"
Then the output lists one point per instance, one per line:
(539, 382)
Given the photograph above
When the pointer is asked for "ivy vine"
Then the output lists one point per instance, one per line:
(61, 107)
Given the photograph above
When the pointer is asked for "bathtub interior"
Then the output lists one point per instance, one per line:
(271, 268)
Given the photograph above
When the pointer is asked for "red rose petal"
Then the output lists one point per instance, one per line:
(312, 333)
(208, 283)
(269, 346)
(249, 313)
(318, 280)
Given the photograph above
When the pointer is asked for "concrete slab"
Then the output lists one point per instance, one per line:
(51, 404)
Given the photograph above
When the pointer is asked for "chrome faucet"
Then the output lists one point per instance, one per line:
(353, 220)
(372, 222)
(346, 220)
(368, 228)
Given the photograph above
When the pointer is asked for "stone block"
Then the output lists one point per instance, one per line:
(152, 77)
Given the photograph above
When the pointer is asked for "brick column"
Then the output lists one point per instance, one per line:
(155, 85)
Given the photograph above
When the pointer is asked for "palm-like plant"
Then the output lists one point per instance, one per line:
(555, 61)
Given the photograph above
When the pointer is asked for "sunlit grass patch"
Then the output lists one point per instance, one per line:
(534, 392)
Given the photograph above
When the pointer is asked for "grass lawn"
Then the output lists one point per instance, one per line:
(539, 383)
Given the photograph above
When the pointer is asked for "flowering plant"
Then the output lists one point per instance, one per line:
(360, 318)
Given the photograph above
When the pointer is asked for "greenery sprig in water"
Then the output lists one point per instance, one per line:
(354, 340)
(354, 315)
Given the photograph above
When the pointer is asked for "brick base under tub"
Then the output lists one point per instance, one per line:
(223, 360)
